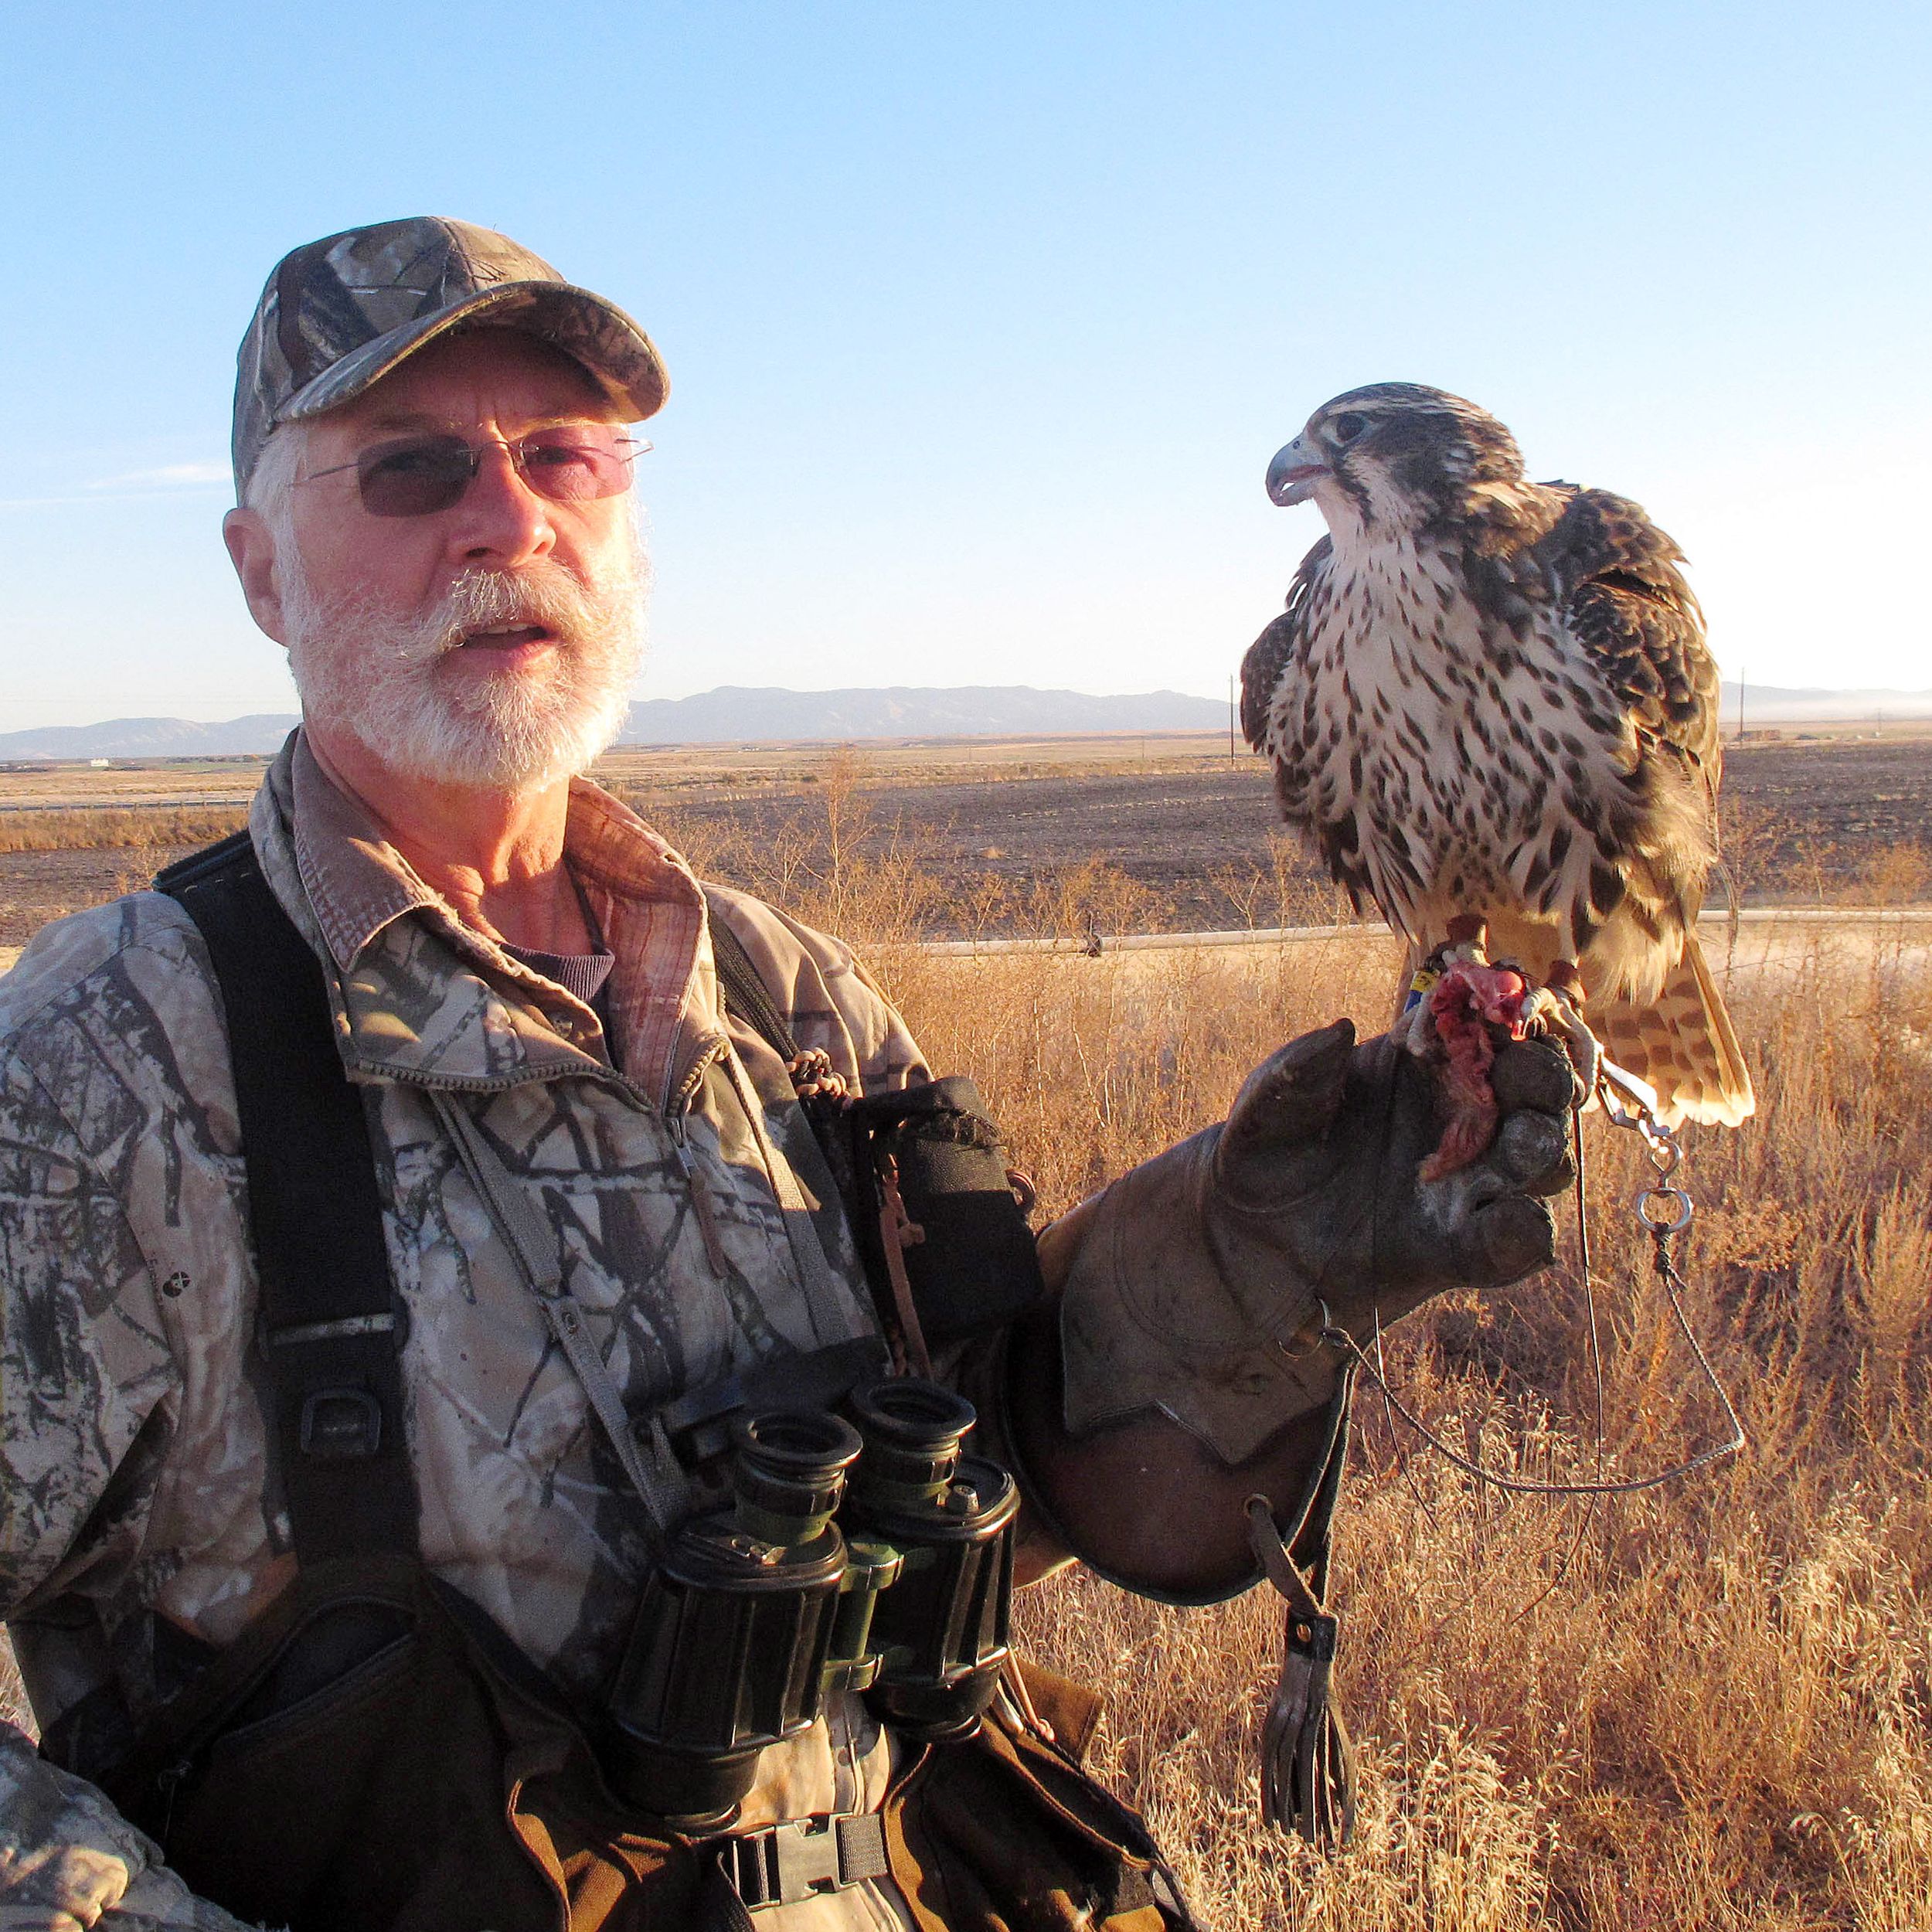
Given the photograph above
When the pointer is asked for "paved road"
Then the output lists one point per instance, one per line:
(1770, 939)
(1769, 942)
(132, 801)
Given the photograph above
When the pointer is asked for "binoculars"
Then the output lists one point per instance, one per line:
(867, 1555)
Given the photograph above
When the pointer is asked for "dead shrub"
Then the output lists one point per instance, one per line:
(1893, 875)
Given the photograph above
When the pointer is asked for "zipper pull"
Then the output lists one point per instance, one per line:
(700, 1206)
(168, 1783)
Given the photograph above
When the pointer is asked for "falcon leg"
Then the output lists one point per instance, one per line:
(1557, 1007)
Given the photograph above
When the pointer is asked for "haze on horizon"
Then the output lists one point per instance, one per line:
(982, 329)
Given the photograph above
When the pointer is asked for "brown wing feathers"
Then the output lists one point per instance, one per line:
(1628, 605)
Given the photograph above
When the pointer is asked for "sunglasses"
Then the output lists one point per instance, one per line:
(419, 475)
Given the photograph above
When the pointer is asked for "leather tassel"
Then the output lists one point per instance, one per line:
(1308, 1762)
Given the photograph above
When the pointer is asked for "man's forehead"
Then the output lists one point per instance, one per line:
(477, 374)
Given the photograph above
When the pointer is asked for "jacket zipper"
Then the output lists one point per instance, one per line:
(168, 1783)
(677, 1121)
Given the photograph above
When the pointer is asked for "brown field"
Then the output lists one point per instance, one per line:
(1709, 1707)
(1123, 834)
(1706, 1707)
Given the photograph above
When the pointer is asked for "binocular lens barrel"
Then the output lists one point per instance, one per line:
(942, 1631)
(913, 1430)
(789, 1471)
(728, 1653)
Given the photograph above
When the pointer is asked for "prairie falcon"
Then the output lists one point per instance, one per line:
(1492, 697)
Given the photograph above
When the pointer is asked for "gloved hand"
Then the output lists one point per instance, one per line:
(1200, 1289)
(1182, 1369)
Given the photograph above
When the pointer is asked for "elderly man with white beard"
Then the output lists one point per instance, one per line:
(455, 671)
(460, 1415)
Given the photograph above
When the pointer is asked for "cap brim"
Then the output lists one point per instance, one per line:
(617, 354)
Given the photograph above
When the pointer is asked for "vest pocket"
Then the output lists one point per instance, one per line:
(342, 1767)
(308, 1767)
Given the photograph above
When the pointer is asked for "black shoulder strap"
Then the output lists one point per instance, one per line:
(744, 991)
(330, 1326)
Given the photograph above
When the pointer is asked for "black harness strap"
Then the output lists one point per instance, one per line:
(745, 991)
(331, 1328)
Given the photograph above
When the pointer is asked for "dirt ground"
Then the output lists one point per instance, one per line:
(38, 886)
(1854, 789)
(1807, 820)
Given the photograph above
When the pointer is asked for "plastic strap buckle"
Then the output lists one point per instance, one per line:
(341, 1425)
(784, 1864)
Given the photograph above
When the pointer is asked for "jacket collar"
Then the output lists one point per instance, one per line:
(419, 995)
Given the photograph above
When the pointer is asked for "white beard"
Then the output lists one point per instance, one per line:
(375, 675)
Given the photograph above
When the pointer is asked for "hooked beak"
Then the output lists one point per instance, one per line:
(1293, 474)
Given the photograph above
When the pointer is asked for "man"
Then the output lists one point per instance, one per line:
(352, 1662)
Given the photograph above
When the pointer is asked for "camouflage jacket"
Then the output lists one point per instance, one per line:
(135, 1482)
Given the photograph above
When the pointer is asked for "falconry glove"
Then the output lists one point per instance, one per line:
(1204, 1294)
(1204, 1286)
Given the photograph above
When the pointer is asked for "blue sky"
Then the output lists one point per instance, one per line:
(983, 323)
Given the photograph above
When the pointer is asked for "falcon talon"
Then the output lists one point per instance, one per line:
(1549, 1011)
(1415, 1030)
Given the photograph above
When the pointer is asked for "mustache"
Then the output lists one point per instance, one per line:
(545, 594)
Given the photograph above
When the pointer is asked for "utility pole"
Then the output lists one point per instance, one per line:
(1740, 704)
(1231, 760)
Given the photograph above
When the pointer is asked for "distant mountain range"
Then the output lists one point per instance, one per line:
(735, 714)
(149, 738)
(1770, 704)
(739, 714)
(730, 715)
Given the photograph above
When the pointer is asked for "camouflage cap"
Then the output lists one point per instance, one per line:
(339, 314)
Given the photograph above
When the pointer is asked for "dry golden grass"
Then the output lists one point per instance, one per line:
(108, 828)
(1703, 1707)
(844, 857)
(1709, 1707)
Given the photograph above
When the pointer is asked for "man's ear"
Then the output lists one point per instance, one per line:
(251, 549)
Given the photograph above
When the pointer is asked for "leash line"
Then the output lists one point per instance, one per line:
(1664, 1212)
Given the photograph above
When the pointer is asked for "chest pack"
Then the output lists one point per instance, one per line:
(375, 1752)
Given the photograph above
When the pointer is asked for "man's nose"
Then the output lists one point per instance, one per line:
(501, 520)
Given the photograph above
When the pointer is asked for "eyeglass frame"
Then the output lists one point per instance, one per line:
(632, 448)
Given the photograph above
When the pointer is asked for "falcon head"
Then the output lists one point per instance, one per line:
(1396, 454)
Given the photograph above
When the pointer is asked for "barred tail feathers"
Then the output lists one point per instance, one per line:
(1683, 1044)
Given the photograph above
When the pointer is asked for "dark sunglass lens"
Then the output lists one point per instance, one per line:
(415, 479)
(576, 465)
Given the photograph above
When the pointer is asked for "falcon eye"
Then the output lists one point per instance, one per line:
(1346, 428)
